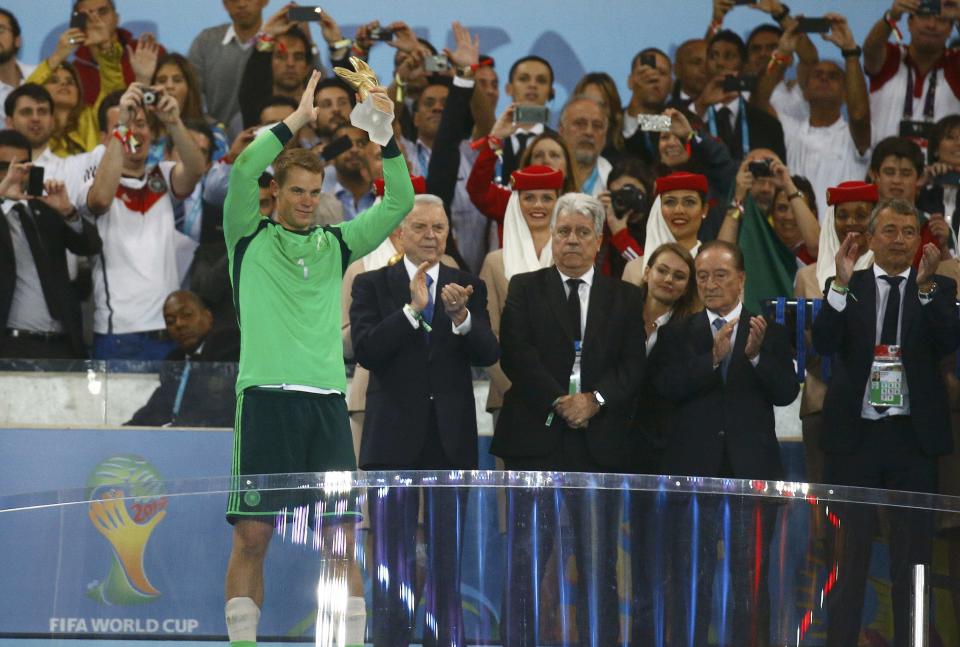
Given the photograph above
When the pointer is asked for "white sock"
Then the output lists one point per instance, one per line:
(356, 620)
(242, 617)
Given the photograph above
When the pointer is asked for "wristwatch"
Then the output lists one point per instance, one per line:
(926, 294)
(852, 53)
(599, 399)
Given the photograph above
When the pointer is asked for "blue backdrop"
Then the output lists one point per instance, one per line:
(576, 37)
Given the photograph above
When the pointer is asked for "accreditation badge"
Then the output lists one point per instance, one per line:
(886, 377)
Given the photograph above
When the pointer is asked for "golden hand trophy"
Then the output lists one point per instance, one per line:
(374, 113)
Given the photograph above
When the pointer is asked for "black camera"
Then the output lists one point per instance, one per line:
(150, 97)
(760, 168)
(626, 199)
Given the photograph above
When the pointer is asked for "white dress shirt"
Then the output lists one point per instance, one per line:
(838, 302)
(434, 274)
(583, 290)
(659, 323)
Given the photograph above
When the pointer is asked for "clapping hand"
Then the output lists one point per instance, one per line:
(419, 293)
(928, 264)
(758, 328)
(846, 259)
(723, 342)
(455, 299)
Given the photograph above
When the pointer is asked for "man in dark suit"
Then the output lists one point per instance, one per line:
(530, 83)
(573, 348)
(39, 309)
(725, 370)
(886, 413)
(418, 326)
(728, 115)
(197, 380)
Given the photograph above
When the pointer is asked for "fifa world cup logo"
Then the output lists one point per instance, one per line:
(127, 503)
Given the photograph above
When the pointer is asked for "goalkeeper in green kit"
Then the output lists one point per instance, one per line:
(291, 413)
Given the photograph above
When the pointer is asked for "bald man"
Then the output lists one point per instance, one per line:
(192, 395)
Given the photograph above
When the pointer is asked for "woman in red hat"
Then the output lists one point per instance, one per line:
(526, 248)
(675, 217)
(547, 149)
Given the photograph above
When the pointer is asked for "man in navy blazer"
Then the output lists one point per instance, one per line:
(725, 370)
(895, 312)
(418, 326)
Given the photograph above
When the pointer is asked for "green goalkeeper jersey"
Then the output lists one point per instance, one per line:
(287, 284)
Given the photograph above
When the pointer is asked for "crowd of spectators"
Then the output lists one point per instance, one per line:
(740, 169)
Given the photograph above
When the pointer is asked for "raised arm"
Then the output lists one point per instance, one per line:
(858, 102)
(773, 73)
(730, 229)
(807, 223)
(875, 44)
(107, 179)
(192, 164)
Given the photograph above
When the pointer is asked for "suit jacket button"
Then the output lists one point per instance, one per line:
(431, 396)
(722, 433)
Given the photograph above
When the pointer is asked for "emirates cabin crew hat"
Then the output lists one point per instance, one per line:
(418, 181)
(536, 177)
(682, 181)
(852, 192)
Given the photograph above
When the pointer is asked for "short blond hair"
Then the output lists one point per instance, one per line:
(299, 157)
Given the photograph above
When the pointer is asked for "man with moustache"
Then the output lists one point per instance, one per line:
(334, 102)
(354, 187)
(925, 67)
(725, 370)
(583, 125)
(562, 415)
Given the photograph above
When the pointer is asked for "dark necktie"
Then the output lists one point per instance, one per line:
(891, 315)
(573, 307)
(428, 311)
(521, 143)
(40, 257)
(719, 323)
(724, 126)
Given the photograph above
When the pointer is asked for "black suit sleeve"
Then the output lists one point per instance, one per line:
(714, 158)
(255, 86)
(85, 242)
(445, 155)
(685, 372)
(520, 357)
(778, 379)
(481, 343)
(940, 317)
(621, 384)
(375, 340)
(827, 331)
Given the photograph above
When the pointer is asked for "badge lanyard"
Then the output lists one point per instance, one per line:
(742, 117)
(591, 181)
(928, 103)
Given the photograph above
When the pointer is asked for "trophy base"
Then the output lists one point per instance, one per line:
(377, 123)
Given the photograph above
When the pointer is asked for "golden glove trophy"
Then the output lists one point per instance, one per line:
(374, 113)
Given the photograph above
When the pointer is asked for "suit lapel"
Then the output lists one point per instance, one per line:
(911, 305)
(739, 344)
(557, 298)
(598, 307)
(399, 284)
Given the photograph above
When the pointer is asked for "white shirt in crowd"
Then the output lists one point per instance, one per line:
(6, 88)
(826, 155)
(137, 268)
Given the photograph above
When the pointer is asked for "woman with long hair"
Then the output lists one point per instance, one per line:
(547, 149)
(175, 75)
(77, 130)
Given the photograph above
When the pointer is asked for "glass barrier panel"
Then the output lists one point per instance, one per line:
(477, 558)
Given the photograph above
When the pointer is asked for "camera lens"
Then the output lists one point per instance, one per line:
(149, 98)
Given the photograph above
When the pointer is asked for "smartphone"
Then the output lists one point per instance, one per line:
(335, 148)
(948, 179)
(78, 20)
(35, 183)
(744, 2)
(437, 63)
(649, 59)
(304, 14)
(930, 8)
(733, 83)
(530, 115)
(813, 25)
(916, 129)
(381, 33)
(654, 123)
